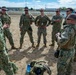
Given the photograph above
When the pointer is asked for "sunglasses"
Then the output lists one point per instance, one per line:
(69, 19)
(67, 11)
(26, 10)
(3, 10)
(57, 11)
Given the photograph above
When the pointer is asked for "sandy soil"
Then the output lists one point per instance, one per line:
(23, 56)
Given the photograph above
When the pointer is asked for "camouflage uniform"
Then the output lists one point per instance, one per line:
(42, 22)
(7, 20)
(56, 27)
(25, 26)
(5, 64)
(66, 41)
(75, 50)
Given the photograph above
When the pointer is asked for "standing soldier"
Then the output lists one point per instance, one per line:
(25, 26)
(9, 67)
(68, 12)
(66, 41)
(6, 20)
(75, 46)
(42, 21)
(56, 22)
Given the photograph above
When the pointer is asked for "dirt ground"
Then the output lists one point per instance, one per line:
(23, 56)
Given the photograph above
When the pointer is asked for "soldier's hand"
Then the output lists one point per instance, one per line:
(58, 20)
(20, 29)
(8, 25)
(58, 34)
(5, 26)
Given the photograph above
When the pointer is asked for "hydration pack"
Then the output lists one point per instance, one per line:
(38, 68)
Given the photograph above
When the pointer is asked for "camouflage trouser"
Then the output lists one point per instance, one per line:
(8, 34)
(23, 31)
(9, 67)
(39, 33)
(64, 65)
(54, 36)
(54, 32)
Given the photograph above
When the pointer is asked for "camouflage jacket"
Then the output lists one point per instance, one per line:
(26, 21)
(56, 25)
(67, 37)
(6, 19)
(42, 21)
(2, 42)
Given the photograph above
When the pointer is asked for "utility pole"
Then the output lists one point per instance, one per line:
(25, 2)
(45, 6)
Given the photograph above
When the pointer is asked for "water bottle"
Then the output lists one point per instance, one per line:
(28, 69)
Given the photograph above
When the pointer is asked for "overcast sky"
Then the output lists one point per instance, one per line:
(38, 3)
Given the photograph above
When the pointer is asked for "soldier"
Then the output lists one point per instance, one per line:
(75, 49)
(9, 67)
(75, 46)
(68, 11)
(42, 21)
(66, 41)
(56, 22)
(25, 26)
(6, 20)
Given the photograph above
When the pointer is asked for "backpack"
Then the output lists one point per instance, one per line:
(37, 68)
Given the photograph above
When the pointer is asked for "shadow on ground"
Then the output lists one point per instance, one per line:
(35, 54)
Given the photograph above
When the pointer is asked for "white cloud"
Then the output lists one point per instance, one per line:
(38, 4)
(38, 1)
(13, 4)
(67, 1)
